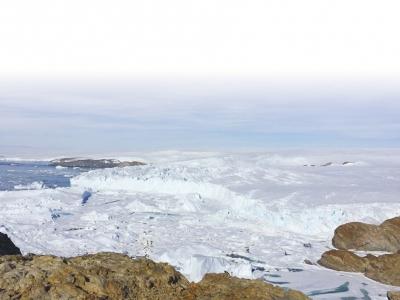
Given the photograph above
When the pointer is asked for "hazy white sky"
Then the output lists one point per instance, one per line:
(93, 76)
(206, 38)
(58, 117)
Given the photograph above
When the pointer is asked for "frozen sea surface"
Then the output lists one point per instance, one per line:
(254, 215)
(33, 175)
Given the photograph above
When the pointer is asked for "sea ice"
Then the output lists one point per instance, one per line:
(249, 214)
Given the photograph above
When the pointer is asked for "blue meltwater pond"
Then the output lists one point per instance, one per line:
(32, 175)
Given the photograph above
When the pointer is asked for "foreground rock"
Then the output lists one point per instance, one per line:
(384, 268)
(93, 163)
(223, 286)
(368, 237)
(7, 247)
(343, 260)
(393, 295)
(116, 276)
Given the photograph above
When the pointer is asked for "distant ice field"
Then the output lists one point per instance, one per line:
(254, 215)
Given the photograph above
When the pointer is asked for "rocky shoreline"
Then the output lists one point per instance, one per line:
(117, 276)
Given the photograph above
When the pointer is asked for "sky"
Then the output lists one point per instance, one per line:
(101, 76)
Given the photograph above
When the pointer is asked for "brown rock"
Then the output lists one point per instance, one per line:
(342, 260)
(116, 276)
(100, 276)
(368, 237)
(393, 295)
(223, 286)
(384, 268)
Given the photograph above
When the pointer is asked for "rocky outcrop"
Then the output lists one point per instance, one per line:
(116, 276)
(393, 295)
(223, 286)
(368, 237)
(384, 268)
(93, 163)
(7, 247)
(342, 260)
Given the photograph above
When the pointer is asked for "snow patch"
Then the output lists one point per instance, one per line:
(195, 266)
(36, 185)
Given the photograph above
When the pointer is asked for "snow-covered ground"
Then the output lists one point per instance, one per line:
(255, 215)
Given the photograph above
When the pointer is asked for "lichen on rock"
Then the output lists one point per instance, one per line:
(117, 276)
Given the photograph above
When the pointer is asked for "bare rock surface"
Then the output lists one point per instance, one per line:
(7, 247)
(117, 276)
(342, 260)
(393, 295)
(223, 286)
(368, 237)
(93, 163)
(384, 268)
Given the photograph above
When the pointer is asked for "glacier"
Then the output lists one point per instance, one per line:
(254, 215)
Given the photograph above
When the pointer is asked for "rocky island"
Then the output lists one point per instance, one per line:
(88, 163)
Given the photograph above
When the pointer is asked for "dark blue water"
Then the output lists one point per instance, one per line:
(17, 175)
